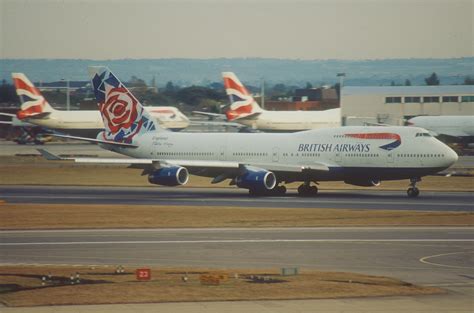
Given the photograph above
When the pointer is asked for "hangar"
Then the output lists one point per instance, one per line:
(395, 104)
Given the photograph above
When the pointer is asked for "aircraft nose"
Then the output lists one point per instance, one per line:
(451, 156)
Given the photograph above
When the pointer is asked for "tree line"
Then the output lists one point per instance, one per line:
(210, 96)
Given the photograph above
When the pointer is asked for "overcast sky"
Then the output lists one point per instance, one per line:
(318, 29)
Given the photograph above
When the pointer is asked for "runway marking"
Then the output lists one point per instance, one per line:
(227, 241)
(423, 260)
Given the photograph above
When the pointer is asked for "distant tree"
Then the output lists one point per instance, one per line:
(433, 80)
(7, 93)
(216, 86)
(279, 88)
(195, 94)
(136, 82)
(309, 85)
(468, 80)
(392, 83)
(170, 87)
(407, 82)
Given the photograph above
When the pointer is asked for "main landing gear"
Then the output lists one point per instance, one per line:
(306, 190)
(277, 191)
(412, 191)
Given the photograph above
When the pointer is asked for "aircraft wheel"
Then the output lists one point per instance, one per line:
(307, 190)
(302, 190)
(280, 190)
(413, 192)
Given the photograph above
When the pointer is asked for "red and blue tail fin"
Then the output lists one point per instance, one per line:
(32, 101)
(242, 103)
(123, 115)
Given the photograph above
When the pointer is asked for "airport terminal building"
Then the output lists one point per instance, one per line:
(395, 104)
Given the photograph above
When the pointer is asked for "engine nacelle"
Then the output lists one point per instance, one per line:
(256, 179)
(169, 176)
(363, 182)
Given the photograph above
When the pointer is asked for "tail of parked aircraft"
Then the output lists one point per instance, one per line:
(123, 115)
(33, 104)
(242, 104)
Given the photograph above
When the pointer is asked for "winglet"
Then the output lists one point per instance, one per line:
(48, 155)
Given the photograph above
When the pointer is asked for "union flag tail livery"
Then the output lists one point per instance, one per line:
(32, 101)
(242, 104)
(123, 115)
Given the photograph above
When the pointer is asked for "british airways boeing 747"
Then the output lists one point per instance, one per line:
(261, 162)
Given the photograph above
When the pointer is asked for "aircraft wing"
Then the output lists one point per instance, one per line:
(216, 123)
(209, 114)
(93, 140)
(220, 170)
(7, 114)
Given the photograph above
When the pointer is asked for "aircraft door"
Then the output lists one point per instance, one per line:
(275, 156)
(390, 159)
(222, 153)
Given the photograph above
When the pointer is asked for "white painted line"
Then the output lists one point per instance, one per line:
(225, 241)
(424, 260)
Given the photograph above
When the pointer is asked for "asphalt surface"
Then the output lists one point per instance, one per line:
(434, 256)
(370, 199)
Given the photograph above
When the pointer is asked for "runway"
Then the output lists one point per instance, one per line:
(370, 199)
(438, 256)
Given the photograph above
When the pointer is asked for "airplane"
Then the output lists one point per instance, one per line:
(245, 110)
(260, 162)
(451, 127)
(35, 109)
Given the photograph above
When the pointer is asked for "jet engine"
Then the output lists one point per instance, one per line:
(169, 176)
(363, 182)
(256, 179)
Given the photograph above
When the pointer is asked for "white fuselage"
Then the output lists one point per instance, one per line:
(285, 121)
(454, 126)
(89, 122)
(348, 158)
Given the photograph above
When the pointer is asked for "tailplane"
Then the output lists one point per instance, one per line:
(33, 104)
(242, 104)
(123, 115)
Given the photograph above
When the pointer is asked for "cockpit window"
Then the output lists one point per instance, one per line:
(422, 135)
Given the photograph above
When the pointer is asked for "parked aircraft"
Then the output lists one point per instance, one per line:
(455, 128)
(36, 110)
(245, 110)
(261, 162)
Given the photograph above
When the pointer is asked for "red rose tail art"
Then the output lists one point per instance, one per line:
(123, 115)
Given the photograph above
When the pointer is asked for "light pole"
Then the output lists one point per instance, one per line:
(68, 99)
(262, 93)
(341, 83)
(341, 79)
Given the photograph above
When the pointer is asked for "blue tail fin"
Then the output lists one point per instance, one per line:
(123, 115)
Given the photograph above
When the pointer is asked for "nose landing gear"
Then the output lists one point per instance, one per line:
(412, 191)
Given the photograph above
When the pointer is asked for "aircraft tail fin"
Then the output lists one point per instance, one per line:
(242, 104)
(32, 101)
(123, 115)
